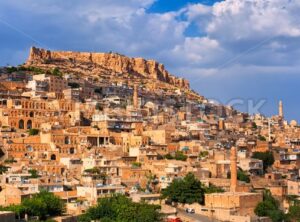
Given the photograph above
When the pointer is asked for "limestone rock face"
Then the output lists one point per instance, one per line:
(109, 61)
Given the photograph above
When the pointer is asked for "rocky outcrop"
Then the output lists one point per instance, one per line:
(110, 61)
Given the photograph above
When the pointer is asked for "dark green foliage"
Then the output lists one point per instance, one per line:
(294, 213)
(241, 176)
(11, 69)
(3, 169)
(10, 160)
(213, 189)
(168, 156)
(266, 157)
(187, 190)
(269, 207)
(179, 155)
(19, 210)
(254, 126)
(34, 173)
(43, 205)
(33, 132)
(263, 208)
(33, 69)
(56, 72)
(97, 173)
(262, 138)
(121, 209)
(23, 68)
(203, 154)
(136, 164)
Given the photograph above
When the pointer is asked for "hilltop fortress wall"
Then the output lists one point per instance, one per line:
(112, 61)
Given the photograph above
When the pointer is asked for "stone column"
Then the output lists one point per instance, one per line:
(233, 170)
(135, 96)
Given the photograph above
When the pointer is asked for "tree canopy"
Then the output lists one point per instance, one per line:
(33, 132)
(43, 205)
(269, 207)
(3, 169)
(186, 190)
(266, 157)
(34, 173)
(119, 208)
(179, 155)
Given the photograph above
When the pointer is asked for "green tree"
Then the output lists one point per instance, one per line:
(168, 156)
(180, 156)
(262, 138)
(33, 132)
(10, 160)
(136, 164)
(187, 190)
(34, 173)
(121, 209)
(43, 204)
(35, 207)
(294, 213)
(56, 72)
(264, 208)
(3, 169)
(203, 154)
(19, 210)
(241, 176)
(267, 158)
(213, 189)
(269, 207)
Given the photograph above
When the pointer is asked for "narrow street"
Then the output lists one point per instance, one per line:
(194, 217)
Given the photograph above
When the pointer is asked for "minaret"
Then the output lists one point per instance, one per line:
(135, 96)
(280, 113)
(233, 170)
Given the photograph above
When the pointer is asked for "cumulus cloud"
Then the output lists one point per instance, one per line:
(246, 32)
(227, 40)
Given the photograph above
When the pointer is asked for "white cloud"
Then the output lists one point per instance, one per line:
(237, 44)
(244, 32)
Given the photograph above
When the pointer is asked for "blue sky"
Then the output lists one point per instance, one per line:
(230, 49)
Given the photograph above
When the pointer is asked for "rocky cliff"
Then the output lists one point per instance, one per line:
(116, 63)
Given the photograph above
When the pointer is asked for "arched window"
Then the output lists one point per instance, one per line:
(29, 124)
(21, 124)
(67, 140)
(31, 114)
